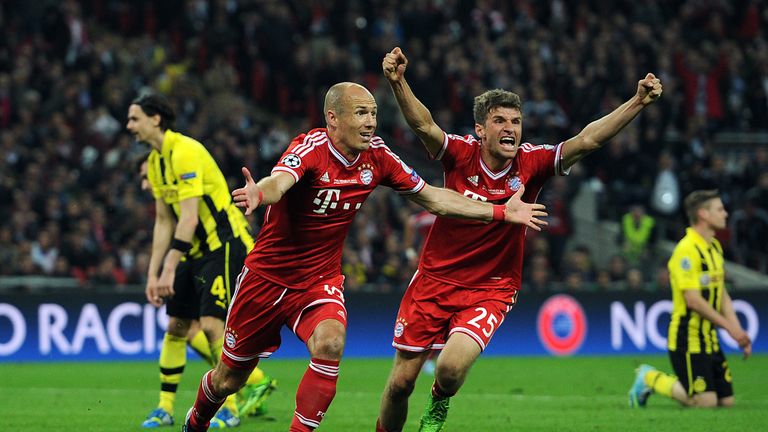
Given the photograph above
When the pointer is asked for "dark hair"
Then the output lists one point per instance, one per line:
(696, 200)
(492, 99)
(156, 104)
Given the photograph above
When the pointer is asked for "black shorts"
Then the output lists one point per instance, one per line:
(699, 373)
(204, 286)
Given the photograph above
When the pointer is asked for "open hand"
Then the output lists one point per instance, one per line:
(247, 197)
(520, 212)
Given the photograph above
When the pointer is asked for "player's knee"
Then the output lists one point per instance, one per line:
(449, 375)
(726, 402)
(329, 346)
(227, 381)
(178, 326)
(401, 387)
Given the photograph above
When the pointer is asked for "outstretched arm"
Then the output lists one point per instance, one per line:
(417, 116)
(268, 190)
(445, 202)
(599, 131)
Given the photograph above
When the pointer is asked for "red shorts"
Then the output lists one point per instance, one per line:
(431, 311)
(260, 308)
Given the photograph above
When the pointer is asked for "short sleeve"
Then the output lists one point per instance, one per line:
(684, 269)
(398, 175)
(456, 148)
(188, 170)
(542, 161)
(153, 175)
(301, 155)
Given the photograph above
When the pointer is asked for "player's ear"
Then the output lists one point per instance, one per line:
(330, 119)
(479, 130)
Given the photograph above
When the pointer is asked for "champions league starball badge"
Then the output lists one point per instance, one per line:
(291, 160)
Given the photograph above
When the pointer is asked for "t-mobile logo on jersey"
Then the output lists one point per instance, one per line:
(329, 198)
(474, 196)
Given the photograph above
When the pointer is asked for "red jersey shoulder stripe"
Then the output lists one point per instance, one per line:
(311, 142)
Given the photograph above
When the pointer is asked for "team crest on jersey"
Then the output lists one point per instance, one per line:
(685, 264)
(366, 176)
(415, 176)
(291, 160)
(400, 327)
(230, 339)
(514, 183)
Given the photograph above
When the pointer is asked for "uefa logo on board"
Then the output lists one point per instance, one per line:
(562, 325)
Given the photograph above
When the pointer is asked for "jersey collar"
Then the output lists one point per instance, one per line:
(338, 154)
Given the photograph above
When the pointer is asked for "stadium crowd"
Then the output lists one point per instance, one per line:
(245, 76)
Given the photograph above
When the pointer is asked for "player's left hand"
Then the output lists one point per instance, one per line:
(248, 196)
(747, 350)
(394, 65)
(649, 89)
(165, 284)
(520, 212)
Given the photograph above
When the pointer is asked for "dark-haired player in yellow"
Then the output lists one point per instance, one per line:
(199, 243)
(701, 304)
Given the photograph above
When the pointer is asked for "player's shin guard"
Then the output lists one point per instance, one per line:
(315, 393)
(206, 404)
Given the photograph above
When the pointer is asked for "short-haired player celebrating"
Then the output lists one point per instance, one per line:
(469, 274)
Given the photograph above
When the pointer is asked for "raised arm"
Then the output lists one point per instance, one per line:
(445, 202)
(601, 130)
(268, 190)
(417, 116)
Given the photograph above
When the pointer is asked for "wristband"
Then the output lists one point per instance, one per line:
(181, 245)
(261, 198)
(498, 212)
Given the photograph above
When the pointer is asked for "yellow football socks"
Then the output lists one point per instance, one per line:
(173, 358)
(199, 343)
(660, 382)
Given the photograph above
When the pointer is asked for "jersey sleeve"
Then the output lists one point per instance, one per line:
(455, 148)
(397, 174)
(684, 268)
(299, 158)
(153, 175)
(544, 160)
(188, 170)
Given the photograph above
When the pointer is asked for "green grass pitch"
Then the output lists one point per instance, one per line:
(501, 394)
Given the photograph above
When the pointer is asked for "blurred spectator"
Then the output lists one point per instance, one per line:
(748, 227)
(637, 235)
(240, 74)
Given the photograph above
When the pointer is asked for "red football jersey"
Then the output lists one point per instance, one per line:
(303, 234)
(477, 254)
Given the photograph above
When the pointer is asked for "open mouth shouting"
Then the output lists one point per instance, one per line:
(508, 142)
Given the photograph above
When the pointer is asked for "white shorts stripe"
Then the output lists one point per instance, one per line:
(469, 333)
(314, 303)
(410, 348)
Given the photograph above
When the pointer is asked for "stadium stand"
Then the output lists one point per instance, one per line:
(245, 76)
